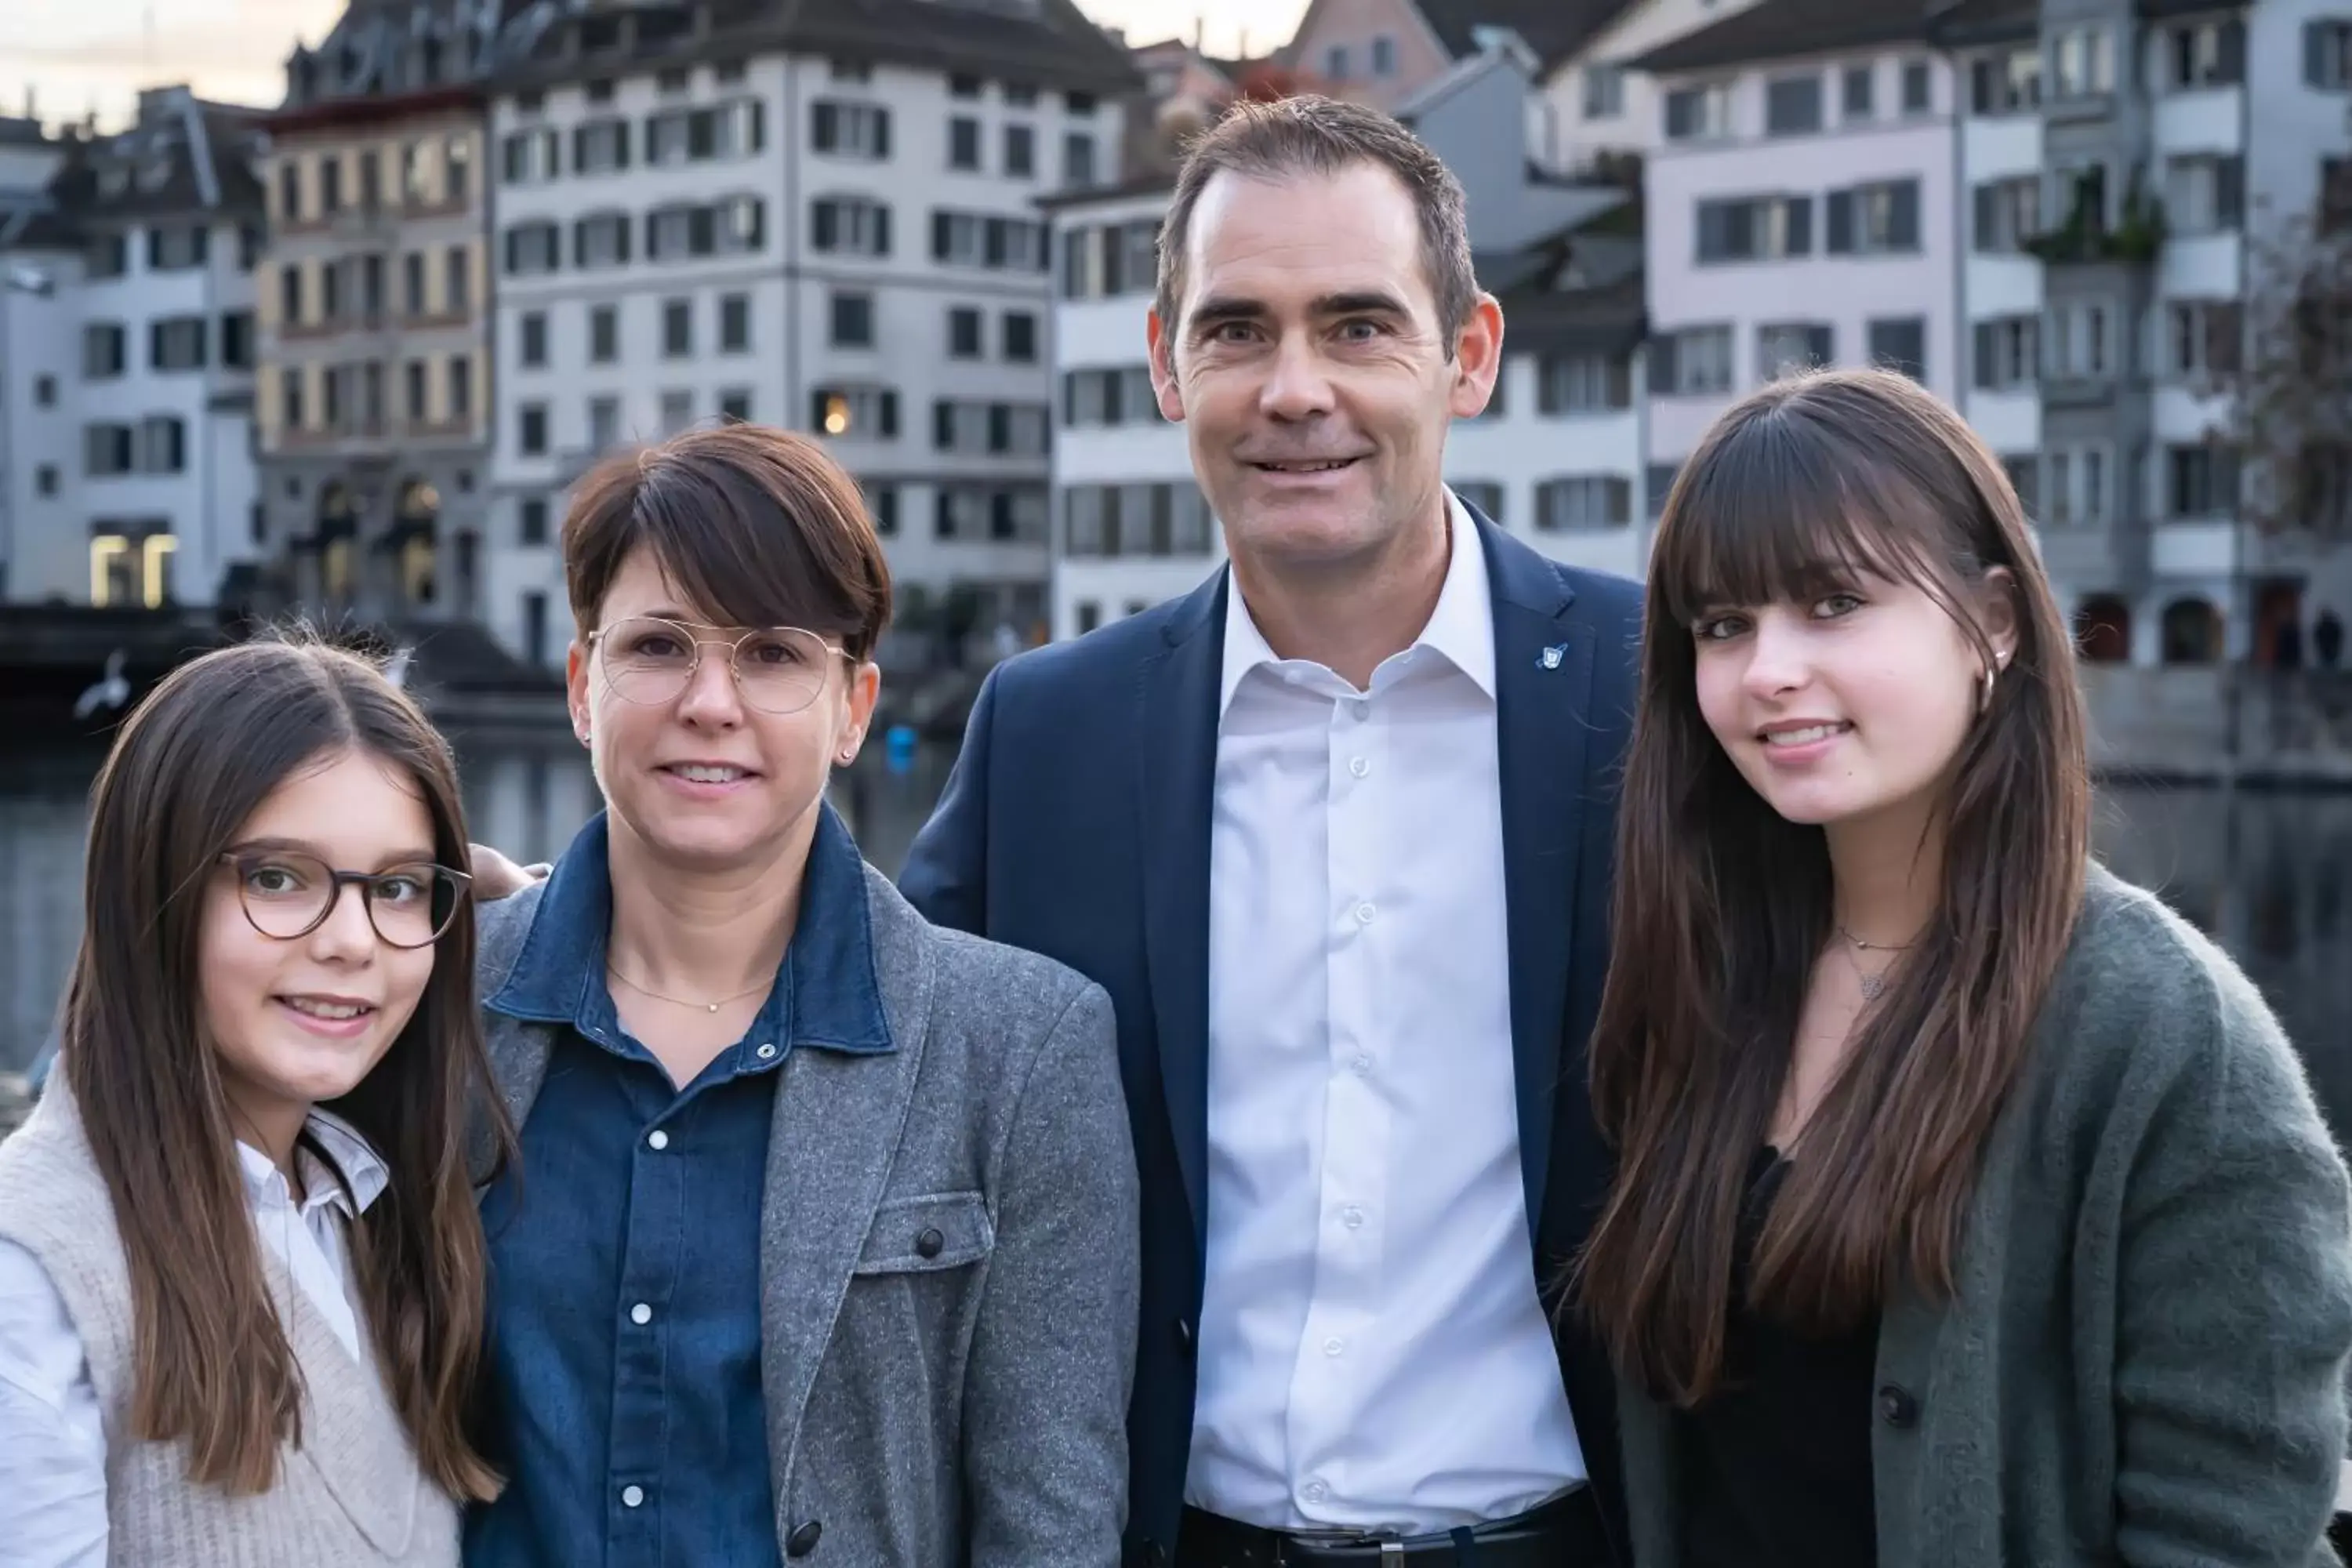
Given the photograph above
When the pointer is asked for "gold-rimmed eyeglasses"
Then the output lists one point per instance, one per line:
(287, 894)
(649, 661)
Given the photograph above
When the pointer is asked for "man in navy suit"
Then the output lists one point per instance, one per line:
(1335, 832)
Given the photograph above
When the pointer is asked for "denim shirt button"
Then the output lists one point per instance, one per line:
(802, 1542)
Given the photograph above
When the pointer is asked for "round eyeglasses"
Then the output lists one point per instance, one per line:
(287, 894)
(777, 669)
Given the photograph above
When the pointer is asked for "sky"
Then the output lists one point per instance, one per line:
(76, 56)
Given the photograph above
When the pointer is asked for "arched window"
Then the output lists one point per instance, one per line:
(2192, 632)
(2103, 629)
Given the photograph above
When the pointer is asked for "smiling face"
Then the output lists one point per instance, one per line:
(706, 778)
(1311, 369)
(1844, 706)
(298, 1021)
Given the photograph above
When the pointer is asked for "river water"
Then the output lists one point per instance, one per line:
(2269, 874)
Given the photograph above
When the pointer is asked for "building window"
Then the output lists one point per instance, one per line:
(45, 479)
(531, 157)
(2200, 481)
(677, 411)
(1483, 496)
(1582, 384)
(853, 319)
(962, 84)
(532, 520)
(734, 323)
(2327, 55)
(604, 424)
(292, 382)
(534, 627)
(108, 450)
(1334, 63)
(1754, 229)
(163, 445)
(130, 563)
(289, 295)
(963, 144)
(1019, 338)
(1088, 614)
(677, 329)
(599, 147)
(2084, 63)
(2008, 213)
(603, 334)
(2074, 486)
(1900, 343)
(600, 241)
(865, 411)
(964, 333)
(2203, 338)
(177, 344)
(419, 398)
(457, 278)
(103, 350)
(1792, 105)
(177, 247)
(1855, 91)
(456, 171)
(850, 225)
(1698, 113)
(1078, 160)
(1878, 219)
(2024, 471)
(1111, 259)
(2204, 193)
(1584, 502)
(883, 500)
(1383, 57)
(850, 130)
(533, 249)
(330, 184)
(1604, 92)
(1783, 347)
(2008, 353)
(289, 191)
(714, 133)
(531, 429)
(45, 391)
(735, 406)
(2204, 54)
(2009, 82)
(2077, 340)
(461, 388)
(534, 350)
(1693, 363)
(1919, 91)
(1020, 152)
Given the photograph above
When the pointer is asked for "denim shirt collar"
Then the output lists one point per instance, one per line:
(827, 992)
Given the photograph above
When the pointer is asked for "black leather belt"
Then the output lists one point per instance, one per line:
(1566, 1532)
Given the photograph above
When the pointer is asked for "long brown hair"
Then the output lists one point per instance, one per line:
(212, 1362)
(1721, 906)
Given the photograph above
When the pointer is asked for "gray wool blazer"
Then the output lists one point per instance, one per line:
(950, 1266)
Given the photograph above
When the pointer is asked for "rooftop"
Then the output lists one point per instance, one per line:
(1786, 29)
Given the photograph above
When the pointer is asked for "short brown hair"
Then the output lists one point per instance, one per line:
(757, 526)
(1312, 135)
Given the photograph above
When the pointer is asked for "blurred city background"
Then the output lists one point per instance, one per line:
(314, 308)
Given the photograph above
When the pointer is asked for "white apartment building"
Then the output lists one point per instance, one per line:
(819, 223)
(128, 355)
(1800, 209)
(1593, 104)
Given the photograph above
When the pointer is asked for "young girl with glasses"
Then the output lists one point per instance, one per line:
(241, 1270)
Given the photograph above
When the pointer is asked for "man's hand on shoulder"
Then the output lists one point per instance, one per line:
(496, 876)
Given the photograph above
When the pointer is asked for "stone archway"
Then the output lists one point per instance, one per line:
(2192, 632)
(415, 538)
(2103, 629)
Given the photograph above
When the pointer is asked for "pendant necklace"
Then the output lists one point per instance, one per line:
(679, 1000)
(1873, 986)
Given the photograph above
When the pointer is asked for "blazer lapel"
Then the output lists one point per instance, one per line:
(1543, 676)
(836, 1121)
(1177, 758)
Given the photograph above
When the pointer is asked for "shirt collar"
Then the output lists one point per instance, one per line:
(350, 1175)
(828, 989)
(1461, 626)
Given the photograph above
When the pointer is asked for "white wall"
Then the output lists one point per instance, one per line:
(1646, 26)
(46, 536)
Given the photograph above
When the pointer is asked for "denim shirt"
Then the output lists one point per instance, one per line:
(625, 1400)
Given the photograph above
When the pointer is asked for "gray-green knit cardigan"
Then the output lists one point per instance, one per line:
(2146, 1361)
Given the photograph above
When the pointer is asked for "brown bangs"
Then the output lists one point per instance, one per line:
(1780, 508)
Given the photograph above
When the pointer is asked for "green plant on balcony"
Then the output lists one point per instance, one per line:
(2085, 237)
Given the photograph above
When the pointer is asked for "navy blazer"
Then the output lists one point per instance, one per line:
(1076, 823)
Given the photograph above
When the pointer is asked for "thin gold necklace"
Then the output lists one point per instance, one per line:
(1873, 986)
(613, 970)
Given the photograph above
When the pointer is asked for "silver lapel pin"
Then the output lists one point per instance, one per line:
(1553, 655)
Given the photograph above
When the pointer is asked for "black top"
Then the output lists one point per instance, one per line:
(1777, 1465)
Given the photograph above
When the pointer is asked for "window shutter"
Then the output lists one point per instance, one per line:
(1903, 221)
(1069, 397)
(1800, 220)
(1818, 343)
(827, 131)
(1547, 386)
(1620, 501)
(755, 125)
(943, 425)
(2224, 337)
(2231, 62)
(2315, 54)
(2229, 191)
(1621, 383)
(1840, 239)
(890, 414)
(881, 133)
(1985, 348)
(1987, 225)
(941, 237)
(580, 146)
(828, 226)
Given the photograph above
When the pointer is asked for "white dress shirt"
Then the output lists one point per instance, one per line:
(1371, 1349)
(52, 1442)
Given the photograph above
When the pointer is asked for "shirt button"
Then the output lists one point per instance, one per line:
(1363, 1066)
(632, 1496)
(1334, 1346)
(1364, 913)
(1352, 1217)
(1316, 1491)
(641, 1314)
(1359, 766)
(657, 1139)
(766, 1051)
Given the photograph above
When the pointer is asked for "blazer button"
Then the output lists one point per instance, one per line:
(1897, 1406)
(802, 1542)
(930, 1243)
(1184, 1336)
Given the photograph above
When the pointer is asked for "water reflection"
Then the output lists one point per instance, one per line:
(2282, 913)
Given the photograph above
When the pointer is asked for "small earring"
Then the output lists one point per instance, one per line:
(1985, 704)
